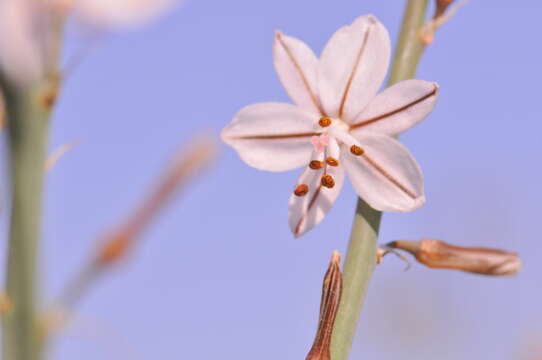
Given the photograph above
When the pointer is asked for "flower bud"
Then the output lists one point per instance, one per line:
(441, 7)
(439, 254)
(188, 163)
(331, 298)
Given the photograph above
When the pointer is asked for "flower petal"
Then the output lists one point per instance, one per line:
(272, 136)
(121, 12)
(305, 212)
(353, 66)
(297, 67)
(398, 108)
(386, 176)
(23, 30)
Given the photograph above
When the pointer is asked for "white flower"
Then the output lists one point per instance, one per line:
(111, 13)
(336, 108)
(26, 28)
(23, 38)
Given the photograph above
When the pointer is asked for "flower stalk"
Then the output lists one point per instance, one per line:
(28, 106)
(361, 253)
(27, 125)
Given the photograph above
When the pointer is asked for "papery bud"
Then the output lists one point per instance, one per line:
(329, 306)
(190, 162)
(439, 254)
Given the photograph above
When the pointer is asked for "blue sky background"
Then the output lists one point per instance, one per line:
(219, 274)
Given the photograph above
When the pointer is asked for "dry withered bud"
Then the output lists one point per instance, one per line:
(59, 152)
(329, 306)
(439, 254)
(442, 14)
(187, 164)
(121, 240)
(381, 252)
(441, 6)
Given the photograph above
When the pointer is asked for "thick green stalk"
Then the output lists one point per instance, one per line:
(27, 131)
(28, 111)
(361, 254)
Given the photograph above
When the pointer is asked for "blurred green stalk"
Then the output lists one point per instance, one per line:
(361, 253)
(28, 109)
(27, 135)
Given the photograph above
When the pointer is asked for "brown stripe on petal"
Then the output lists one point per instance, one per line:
(277, 136)
(396, 111)
(353, 73)
(313, 97)
(390, 177)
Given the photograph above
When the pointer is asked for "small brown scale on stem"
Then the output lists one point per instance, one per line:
(356, 150)
(301, 190)
(316, 164)
(325, 121)
(328, 181)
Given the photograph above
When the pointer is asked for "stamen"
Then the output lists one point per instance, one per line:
(325, 121)
(316, 164)
(331, 161)
(301, 190)
(357, 150)
(328, 181)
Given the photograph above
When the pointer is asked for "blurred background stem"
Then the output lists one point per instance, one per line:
(28, 112)
(27, 132)
(361, 253)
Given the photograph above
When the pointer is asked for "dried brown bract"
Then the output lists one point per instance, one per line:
(441, 6)
(439, 254)
(187, 164)
(329, 306)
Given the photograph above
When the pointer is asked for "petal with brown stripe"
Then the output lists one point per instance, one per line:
(398, 108)
(353, 66)
(296, 67)
(305, 212)
(272, 136)
(386, 176)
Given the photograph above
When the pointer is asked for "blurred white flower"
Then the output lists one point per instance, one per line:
(112, 13)
(23, 37)
(337, 119)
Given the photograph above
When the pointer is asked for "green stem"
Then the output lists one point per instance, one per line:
(27, 129)
(361, 253)
(28, 112)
